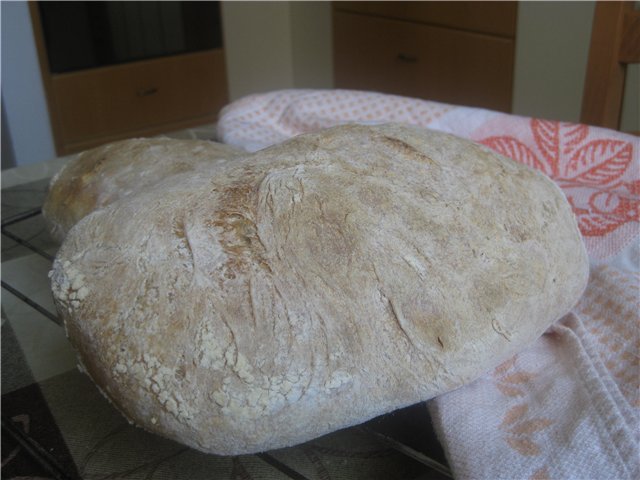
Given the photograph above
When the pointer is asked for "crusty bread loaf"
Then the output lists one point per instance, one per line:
(97, 177)
(315, 284)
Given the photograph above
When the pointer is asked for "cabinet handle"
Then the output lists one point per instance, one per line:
(145, 92)
(406, 58)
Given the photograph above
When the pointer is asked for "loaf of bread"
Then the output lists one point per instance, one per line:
(100, 176)
(315, 284)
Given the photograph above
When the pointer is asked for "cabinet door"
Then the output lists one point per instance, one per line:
(424, 61)
(137, 98)
(114, 70)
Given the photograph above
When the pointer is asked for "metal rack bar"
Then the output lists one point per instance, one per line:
(27, 244)
(410, 452)
(34, 450)
(265, 457)
(19, 217)
(31, 303)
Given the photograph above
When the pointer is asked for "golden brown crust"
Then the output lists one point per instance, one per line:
(97, 177)
(316, 284)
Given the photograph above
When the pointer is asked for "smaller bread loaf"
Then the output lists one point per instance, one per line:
(100, 176)
(315, 284)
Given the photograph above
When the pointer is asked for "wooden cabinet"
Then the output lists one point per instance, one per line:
(91, 106)
(454, 52)
(152, 95)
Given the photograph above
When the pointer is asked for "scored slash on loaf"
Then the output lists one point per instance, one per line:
(315, 284)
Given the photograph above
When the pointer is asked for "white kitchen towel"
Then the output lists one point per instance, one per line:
(566, 407)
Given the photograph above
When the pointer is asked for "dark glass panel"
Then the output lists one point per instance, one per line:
(81, 35)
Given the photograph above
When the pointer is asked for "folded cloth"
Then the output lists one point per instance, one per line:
(569, 405)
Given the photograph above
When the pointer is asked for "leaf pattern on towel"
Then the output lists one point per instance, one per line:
(540, 474)
(524, 446)
(513, 148)
(519, 424)
(591, 171)
(528, 427)
(514, 414)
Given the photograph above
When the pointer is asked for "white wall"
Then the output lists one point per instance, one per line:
(552, 45)
(311, 42)
(552, 48)
(22, 91)
(257, 40)
(275, 45)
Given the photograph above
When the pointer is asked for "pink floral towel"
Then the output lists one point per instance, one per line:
(569, 405)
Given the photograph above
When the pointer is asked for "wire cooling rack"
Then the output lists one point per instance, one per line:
(407, 431)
